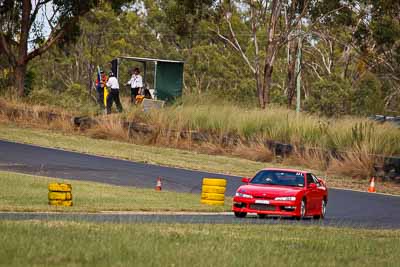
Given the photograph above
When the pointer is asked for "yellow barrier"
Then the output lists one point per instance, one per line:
(60, 194)
(60, 187)
(66, 203)
(213, 191)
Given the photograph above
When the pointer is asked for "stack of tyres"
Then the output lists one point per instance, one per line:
(213, 191)
(60, 194)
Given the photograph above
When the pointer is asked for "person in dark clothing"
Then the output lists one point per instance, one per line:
(113, 95)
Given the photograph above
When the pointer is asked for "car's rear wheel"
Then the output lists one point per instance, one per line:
(240, 214)
(323, 210)
(302, 210)
(261, 216)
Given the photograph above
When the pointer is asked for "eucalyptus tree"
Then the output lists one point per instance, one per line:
(266, 34)
(378, 43)
(29, 28)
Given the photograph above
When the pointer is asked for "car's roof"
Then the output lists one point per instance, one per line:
(284, 170)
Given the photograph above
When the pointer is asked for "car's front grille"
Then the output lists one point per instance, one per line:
(262, 197)
(239, 205)
(262, 207)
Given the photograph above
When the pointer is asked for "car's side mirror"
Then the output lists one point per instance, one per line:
(321, 181)
(245, 180)
(312, 186)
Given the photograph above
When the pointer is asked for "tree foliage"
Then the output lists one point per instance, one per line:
(245, 51)
(23, 34)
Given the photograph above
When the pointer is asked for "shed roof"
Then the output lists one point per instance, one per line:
(145, 59)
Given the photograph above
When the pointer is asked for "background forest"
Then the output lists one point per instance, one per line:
(246, 52)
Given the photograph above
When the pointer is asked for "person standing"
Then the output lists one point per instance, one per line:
(101, 87)
(113, 95)
(136, 83)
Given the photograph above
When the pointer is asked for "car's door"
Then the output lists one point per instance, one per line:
(312, 193)
(321, 190)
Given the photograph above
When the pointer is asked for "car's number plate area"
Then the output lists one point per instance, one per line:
(262, 207)
(260, 201)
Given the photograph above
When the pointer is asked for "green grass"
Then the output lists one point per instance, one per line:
(66, 243)
(20, 192)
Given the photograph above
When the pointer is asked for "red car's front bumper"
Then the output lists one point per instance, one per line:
(270, 207)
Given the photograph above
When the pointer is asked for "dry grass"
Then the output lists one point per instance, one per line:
(255, 151)
(359, 164)
(35, 115)
(108, 127)
(314, 159)
(231, 130)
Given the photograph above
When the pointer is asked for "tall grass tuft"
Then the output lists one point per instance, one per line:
(240, 131)
(278, 124)
(108, 127)
(357, 164)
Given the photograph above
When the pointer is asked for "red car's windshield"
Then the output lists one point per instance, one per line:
(277, 177)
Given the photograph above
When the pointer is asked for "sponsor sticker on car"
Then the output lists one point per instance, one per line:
(260, 201)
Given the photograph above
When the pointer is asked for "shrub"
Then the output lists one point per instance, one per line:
(327, 97)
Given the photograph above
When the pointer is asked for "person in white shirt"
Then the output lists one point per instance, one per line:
(136, 83)
(113, 95)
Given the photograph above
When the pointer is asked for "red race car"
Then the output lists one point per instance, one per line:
(282, 192)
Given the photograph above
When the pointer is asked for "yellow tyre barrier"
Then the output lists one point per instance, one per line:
(66, 203)
(212, 202)
(60, 196)
(213, 189)
(58, 187)
(213, 196)
(214, 182)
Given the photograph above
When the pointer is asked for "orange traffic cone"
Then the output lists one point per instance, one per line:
(371, 188)
(158, 184)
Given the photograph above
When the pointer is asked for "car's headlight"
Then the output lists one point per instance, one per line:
(286, 198)
(243, 195)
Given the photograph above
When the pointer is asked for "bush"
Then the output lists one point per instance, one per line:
(327, 97)
(75, 97)
(42, 96)
(367, 99)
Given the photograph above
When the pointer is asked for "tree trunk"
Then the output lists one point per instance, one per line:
(260, 90)
(346, 60)
(20, 71)
(267, 83)
(20, 68)
(291, 75)
(271, 50)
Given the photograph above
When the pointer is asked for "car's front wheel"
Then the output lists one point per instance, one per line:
(240, 214)
(323, 210)
(302, 210)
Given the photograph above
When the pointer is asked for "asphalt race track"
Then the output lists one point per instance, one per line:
(227, 218)
(345, 208)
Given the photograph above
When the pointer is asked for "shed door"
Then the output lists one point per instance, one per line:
(169, 80)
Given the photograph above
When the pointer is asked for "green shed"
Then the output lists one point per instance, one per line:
(168, 76)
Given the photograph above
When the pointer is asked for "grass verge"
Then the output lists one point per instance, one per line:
(60, 243)
(21, 192)
(166, 156)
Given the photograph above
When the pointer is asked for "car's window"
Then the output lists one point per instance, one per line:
(310, 179)
(275, 177)
(315, 180)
